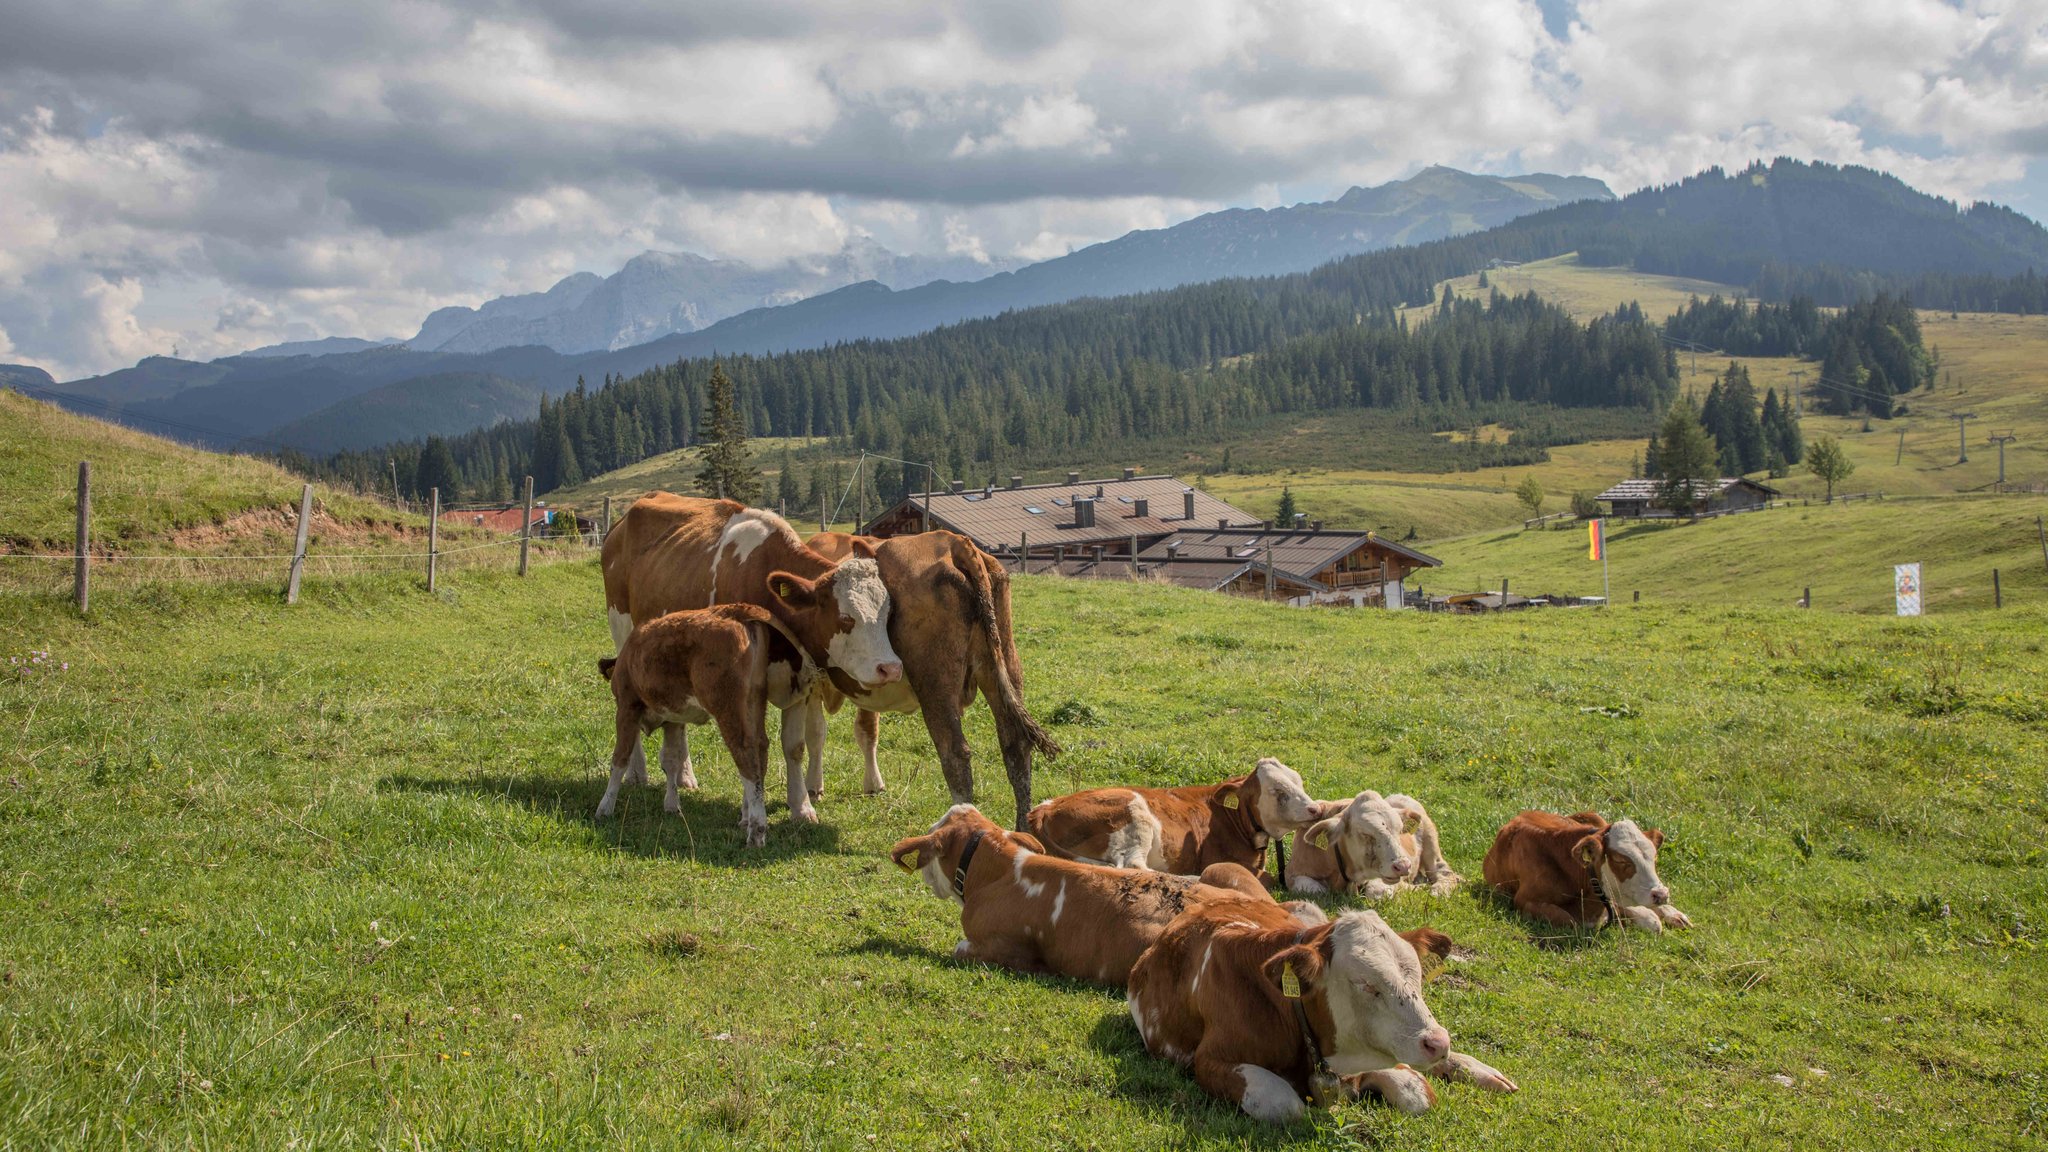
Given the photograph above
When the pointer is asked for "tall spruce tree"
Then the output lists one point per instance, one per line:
(728, 471)
(1686, 456)
(1284, 517)
(437, 470)
(1740, 423)
(788, 493)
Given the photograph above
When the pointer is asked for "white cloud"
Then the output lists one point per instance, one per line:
(217, 175)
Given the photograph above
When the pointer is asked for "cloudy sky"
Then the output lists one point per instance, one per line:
(218, 175)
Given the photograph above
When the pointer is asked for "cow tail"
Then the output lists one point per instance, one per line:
(1001, 654)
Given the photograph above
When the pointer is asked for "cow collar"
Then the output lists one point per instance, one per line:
(966, 858)
(1323, 1084)
(1600, 890)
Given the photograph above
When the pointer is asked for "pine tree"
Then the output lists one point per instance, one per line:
(568, 472)
(787, 492)
(728, 470)
(501, 484)
(1739, 419)
(437, 470)
(1285, 516)
(1686, 456)
(1651, 468)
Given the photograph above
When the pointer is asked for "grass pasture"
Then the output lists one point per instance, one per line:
(327, 878)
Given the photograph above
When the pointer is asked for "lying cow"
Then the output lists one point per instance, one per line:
(669, 553)
(725, 665)
(1180, 830)
(1580, 869)
(1025, 910)
(1271, 1015)
(1372, 846)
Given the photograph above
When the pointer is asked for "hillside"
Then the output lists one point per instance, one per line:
(1844, 552)
(155, 496)
(446, 404)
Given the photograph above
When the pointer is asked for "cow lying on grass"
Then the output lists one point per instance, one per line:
(1180, 830)
(1372, 846)
(724, 665)
(1272, 1015)
(1023, 909)
(1580, 869)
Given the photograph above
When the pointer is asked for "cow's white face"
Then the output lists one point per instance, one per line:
(1368, 834)
(931, 865)
(1373, 985)
(860, 646)
(1628, 867)
(1284, 804)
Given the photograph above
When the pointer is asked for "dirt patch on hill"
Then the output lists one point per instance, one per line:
(280, 523)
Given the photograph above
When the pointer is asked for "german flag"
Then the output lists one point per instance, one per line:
(1596, 534)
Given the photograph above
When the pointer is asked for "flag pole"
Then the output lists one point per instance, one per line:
(1606, 597)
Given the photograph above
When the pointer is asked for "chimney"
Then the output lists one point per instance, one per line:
(1084, 512)
(1265, 525)
(1300, 521)
(1187, 505)
(1315, 525)
(1097, 550)
(1073, 478)
(959, 486)
(988, 490)
(1016, 481)
(1130, 473)
(1098, 491)
(1173, 550)
(1141, 507)
(1222, 522)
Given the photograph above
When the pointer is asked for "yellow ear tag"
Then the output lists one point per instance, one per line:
(1290, 984)
(1320, 840)
(1230, 799)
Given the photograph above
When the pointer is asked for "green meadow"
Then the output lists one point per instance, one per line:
(327, 877)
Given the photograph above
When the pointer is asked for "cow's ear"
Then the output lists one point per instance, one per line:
(1295, 971)
(1656, 836)
(1231, 795)
(1027, 840)
(1411, 817)
(1323, 833)
(922, 847)
(792, 589)
(863, 547)
(1589, 851)
(1428, 942)
(1590, 818)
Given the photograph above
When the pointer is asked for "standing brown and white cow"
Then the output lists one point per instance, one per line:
(950, 623)
(670, 553)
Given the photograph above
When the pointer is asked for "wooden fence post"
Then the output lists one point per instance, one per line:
(526, 527)
(1997, 593)
(291, 586)
(605, 529)
(1503, 593)
(1806, 597)
(80, 581)
(1134, 557)
(433, 535)
(1023, 551)
(2043, 534)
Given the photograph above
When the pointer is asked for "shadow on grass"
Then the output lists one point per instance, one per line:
(707, 830)
(879, 945)
(1145, 1079)
(1549, 937)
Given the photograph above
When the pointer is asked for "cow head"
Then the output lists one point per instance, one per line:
(1367, 831)
(841, 619)
(1626, 857)
(1274, 793)
(1369, 980)
(933, 856)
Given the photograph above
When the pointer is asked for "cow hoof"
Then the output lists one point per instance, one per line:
(1673, 918)
(688, 783)
(636, 777)
(817, 795)
(604, 810)
(1405, 1091)
(672, 806)
(873, 789)
(805, 814)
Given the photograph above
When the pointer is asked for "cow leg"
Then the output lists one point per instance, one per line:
(793, 725)
(746, 737)
(636, 765)
(1263, 1095)
(1547, 912)
(814, 740)
(675, 767)
(955, 759)
(625, 741)
(867, 732)
(1462, 1069)
(1402, 1087)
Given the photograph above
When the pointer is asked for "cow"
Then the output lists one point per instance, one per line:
(672, 552)
(1025, 910)
(1579, 869)
(1272, 1015)
(950, 623)
(1372, 846)
(1180, 830)
(723, 664)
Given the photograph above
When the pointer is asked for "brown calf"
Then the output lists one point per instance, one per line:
(1580, 869)
(1180, 830)
(1270, 1014)
(713, 664)
(1025, 910)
